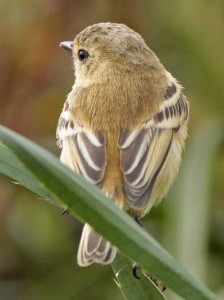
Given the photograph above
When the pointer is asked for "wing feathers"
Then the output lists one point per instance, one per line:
(133, 154)
(140, 180)
(140, 197)
(144, 151)
(84, 152)
(93, 153)
(170, 91)
(137, 171)
(126, 137)
(95, 175)
(170, 116)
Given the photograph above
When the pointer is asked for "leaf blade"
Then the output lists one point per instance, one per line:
(114, 224)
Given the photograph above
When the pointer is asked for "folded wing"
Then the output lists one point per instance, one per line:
(83, 151)
(148, 151)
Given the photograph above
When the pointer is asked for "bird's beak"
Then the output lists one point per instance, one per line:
(67, 45)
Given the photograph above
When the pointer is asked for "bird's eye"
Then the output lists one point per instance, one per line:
(83, 55)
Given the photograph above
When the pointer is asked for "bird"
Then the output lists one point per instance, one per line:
(123, 126)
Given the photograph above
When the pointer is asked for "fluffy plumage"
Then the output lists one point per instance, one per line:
(123, 126)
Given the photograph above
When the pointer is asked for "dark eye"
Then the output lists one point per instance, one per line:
(83, 55)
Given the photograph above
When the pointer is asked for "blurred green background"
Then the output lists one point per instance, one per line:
(38, 245)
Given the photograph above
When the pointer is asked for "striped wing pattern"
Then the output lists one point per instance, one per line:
(145, 151)
(142, 161)
(85, 153)
(93, 248)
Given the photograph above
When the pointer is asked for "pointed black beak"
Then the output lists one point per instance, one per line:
(67, 45)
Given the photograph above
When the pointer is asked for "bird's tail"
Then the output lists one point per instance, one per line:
(94, 249)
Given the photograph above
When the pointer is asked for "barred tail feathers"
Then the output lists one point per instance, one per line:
(94, 249)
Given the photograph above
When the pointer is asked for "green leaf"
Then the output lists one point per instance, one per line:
(88, 203)
(132, 288)
(11, 166)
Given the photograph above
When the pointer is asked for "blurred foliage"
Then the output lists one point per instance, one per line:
(37, 245)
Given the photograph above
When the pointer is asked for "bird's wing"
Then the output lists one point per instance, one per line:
(82, 150)
(144, 150)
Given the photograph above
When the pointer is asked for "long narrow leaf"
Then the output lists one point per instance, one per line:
(88, 203)
(11, 166)
(131, 288)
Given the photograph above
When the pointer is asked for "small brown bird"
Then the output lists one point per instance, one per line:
(123, 125)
